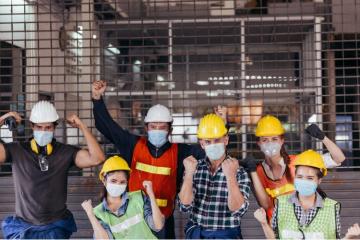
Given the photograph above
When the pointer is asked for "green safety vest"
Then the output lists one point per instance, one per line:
(130, 225)
(323, 225)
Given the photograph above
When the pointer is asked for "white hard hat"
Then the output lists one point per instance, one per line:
(43, 112)
(158, 113)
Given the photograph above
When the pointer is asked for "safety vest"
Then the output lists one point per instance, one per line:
(323, 226)
(162, 171)
(275, 188)
(132, 224)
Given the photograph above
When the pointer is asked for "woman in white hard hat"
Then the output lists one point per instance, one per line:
(40, 169)
(123, 215)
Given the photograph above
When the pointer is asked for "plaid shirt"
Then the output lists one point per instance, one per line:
(210, 206)
(305, 217)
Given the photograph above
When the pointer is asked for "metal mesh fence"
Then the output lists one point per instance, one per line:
(297, 60)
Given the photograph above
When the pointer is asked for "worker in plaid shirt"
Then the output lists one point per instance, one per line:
(215, 189)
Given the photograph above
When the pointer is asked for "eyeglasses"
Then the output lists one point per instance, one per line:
(43, 163)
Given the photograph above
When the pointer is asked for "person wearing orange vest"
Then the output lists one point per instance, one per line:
(275, 176)
(151, 158)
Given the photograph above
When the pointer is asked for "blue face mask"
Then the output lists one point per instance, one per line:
(158, 137)
(215, 151)
(305, 187)
(43, 138)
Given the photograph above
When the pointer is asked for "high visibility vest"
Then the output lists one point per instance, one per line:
(132, 224)
(162, 171)
(323, 226)
(275, 188)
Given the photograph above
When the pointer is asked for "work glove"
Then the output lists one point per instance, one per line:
(249, 163)
(314, 131)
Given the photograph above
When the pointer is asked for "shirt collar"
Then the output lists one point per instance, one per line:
(319, 202)
(269, 172)
(122, 208)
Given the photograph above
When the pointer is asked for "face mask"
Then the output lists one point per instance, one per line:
(43, 138)
(157, 137)
(270, 149)
(215, 151)
(115, 190)
(305, 187)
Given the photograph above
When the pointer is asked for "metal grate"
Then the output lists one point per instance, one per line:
(295, 59)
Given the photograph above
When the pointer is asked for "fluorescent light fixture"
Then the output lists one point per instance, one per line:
(137, 62)
(160, 78)
(202, 83)
(312, 119)
(112, 49)
(212, 94)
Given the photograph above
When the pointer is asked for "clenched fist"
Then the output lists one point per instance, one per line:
(260, 215)
(87, 206)
(74, 121)
(190, 164)
(148, 187)
(98, 89)
(230, 167)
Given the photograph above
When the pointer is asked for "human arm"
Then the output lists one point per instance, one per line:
(157, 217)
(186, 195)
(336, 153)
(353, 232)
(260, 216)
(94, 155)
(2, 121)
(123, 140)
(99, 231)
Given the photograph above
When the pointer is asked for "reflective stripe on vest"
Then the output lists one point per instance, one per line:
(126, 224)
(287, 188)
(152, 169)
(161, 202)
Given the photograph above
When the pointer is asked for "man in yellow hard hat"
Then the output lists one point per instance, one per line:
(122, 214)
(215, 189)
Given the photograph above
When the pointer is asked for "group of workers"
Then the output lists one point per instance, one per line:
(151, 175)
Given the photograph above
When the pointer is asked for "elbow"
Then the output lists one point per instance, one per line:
(160, 225)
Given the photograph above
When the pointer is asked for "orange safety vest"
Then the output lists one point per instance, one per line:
(162, 171)
(275, 188)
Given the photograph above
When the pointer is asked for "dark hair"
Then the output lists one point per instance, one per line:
(103, 193)
(320, 175)
(286, 158)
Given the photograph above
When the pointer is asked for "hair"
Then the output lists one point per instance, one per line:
(320, 175)
(103, 192)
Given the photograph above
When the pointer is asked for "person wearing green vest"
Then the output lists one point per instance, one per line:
(307, 213)
(123, 215)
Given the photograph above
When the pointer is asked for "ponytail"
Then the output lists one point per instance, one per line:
(286, 158)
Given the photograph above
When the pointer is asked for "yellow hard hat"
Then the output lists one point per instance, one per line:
(211, 126)
(269, 126)
(113, 164)
(312, 159)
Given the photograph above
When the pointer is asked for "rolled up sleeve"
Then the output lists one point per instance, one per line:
(329, 161)
(244, 186)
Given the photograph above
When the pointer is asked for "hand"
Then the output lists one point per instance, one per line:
(250, 163)
(87, 206)
(314, 131)
(260, 215)
(221, 111)
(190, 164)
(353, 232)
(10, 114)
(148, 187)
(98, 89)
(74, 121)
(230, 167)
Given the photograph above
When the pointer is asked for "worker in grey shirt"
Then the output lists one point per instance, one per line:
(40, 168)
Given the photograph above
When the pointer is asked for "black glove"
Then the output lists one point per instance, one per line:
(314, 131)
(249, 163)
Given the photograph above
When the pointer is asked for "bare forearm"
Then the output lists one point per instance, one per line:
(96, 154)
(260, 193)
(158, 217)
(336, 153)
(235, 197)
(186, 193)
(268, 231)
(99, 231)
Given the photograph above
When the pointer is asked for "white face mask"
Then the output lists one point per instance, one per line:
(215, 151)
(270, 149)
(115, 190)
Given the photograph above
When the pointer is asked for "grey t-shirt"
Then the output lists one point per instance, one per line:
(40, 196)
